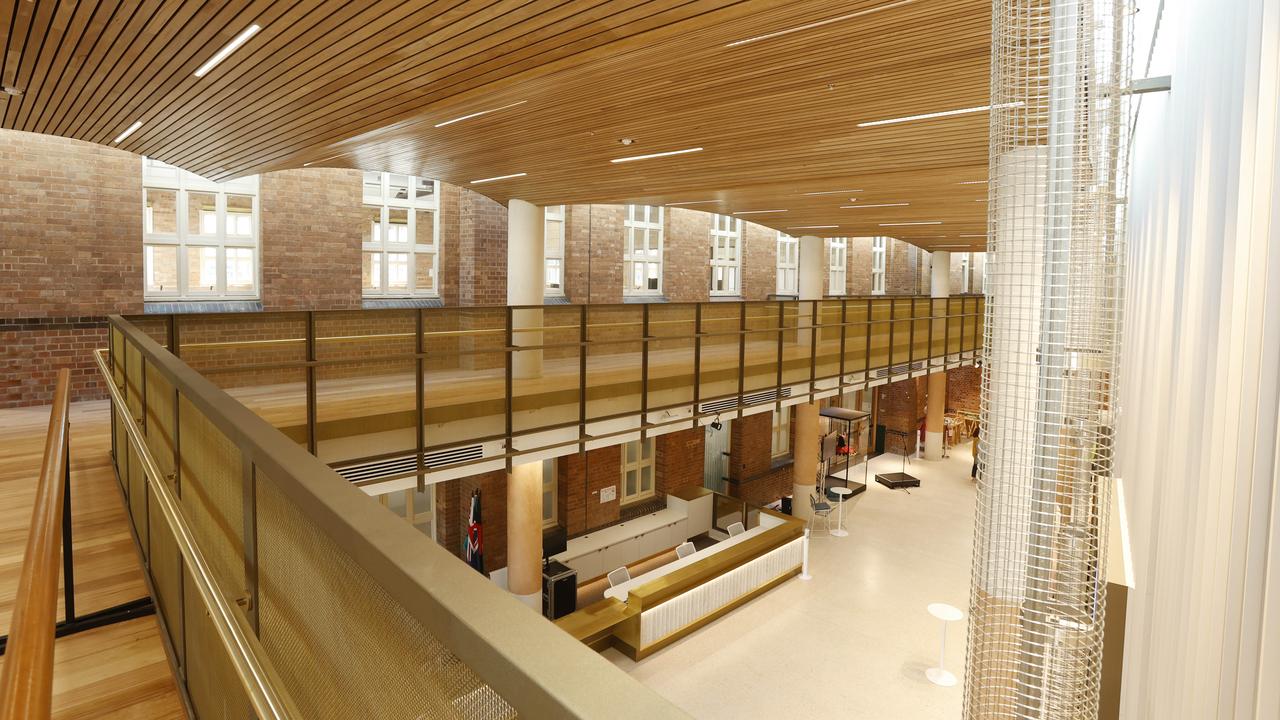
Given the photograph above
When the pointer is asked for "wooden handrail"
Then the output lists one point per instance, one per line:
(26, 683)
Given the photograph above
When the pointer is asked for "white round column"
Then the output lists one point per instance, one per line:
(526, 267)
(935, 414)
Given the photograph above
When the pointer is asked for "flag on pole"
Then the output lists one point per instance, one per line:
(475, 536)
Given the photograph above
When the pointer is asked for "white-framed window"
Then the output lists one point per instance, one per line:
(781, 445)
(642, 251)
(878, 253)
(553, 244)
(726, 255)
(418, 508)
(788, 264)
(637, 470)
(401, 230)
(200, 239)
(837, 266)
(966, 260)
(550, 468)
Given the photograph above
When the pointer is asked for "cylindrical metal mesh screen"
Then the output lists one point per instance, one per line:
(1054, 291)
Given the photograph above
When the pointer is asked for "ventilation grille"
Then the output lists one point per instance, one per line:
(402, 465)
(902, 369)
(716, 406)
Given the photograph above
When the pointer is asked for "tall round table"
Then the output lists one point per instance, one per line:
(947, 614)
(842, 492)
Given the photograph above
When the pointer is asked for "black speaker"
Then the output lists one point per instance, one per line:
(559, 590)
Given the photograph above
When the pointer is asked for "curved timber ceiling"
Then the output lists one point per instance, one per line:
(373, 85)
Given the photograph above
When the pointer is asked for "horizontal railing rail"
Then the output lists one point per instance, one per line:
(353, 615)
(26, 683)
(851, 343)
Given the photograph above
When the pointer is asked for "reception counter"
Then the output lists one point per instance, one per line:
(662, 605)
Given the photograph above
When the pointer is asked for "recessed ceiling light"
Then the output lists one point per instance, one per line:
(981, 236)
(757, 212)
(324, 159)
(227, 49)
(499, 177)
(904, 224)
(950, 246)
(980, 200)
(835, 192)
(812, 227)
(944, 113)
(478, 114)
(973, 182)
(656, 155)
(132, 129)
(820, 23)
(10, 90)
(693, 202)
(850, 207)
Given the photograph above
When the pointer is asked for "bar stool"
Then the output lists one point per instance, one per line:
(947, 614)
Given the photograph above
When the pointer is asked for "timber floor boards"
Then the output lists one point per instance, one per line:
(112, 672)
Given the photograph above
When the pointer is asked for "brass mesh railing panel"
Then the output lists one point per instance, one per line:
(212, 496)
(343, 647)
(212, 685)
(166, 577)
(159, 414)
(133, 381)
(137, 496)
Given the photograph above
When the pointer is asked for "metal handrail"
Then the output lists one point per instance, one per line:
(26, 684)
(268, 702)
(540, 670)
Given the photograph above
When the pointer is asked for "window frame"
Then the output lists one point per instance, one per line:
(788, 265)
(408, 510)
(643, 226)
(780, 442)
(879, 257)
(160, 176)
(966, 263)
(726, 255)
(554, 257)
(551, 484)
(837, 266)
(638, 465)
(383, 248)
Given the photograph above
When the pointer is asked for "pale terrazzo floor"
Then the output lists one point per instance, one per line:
(854, 641)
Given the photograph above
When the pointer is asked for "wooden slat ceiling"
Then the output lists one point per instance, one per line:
(364, 84)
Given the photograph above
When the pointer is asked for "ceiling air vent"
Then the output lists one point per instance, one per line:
(402, 465)
(718, 406)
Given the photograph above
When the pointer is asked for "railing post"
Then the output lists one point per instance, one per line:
(963, 310)
(742, 356)
(893, 320)
(68, 566)
(508, 357)
(644, 372)
(813, 347)
(911, 340)
(312, 441)
(946, 336)
(249, 496)
(582, 378)
(866, 359)
(844, 318)
(697, 362)
(420, 391)
(782, 322)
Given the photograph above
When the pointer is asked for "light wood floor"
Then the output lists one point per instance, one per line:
(112, 672)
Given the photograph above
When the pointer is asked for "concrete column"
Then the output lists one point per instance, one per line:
(805, 467)
(811, 282)
(526, 266)
(934, 429)
(524, 533)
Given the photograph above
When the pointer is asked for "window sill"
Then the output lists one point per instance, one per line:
(726, 298)
(386, 303)
(643, 299)
(782, 461)
(555, 300)
(173, 307)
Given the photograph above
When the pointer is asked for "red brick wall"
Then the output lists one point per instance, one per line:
(482, 250)
(686, 254)
(679, 459)
(903, 263)
(759, 262)
(964, 389)
(311, 230)
(860, 266)
(754, 476)
(453, 508)
(70, 253)
(901, 407)
(581, 477)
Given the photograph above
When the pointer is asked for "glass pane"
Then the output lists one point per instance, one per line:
(646, 479)
(240, 270)
(548, 509)
(553, 273)
(631, 484)
(646, 449)
(160, 269)
(397, 501)
(160, 214)
(398, 187)
(202, 213)
(424, 227)
(653, 276)
(373, 185)
(371, 270)
(631, 452)
(397, 271)
(240, 215)
(424, 272)
(202, 269)
(397, 225)
(553, 238)
(423, 501)
(372, 224)
(423, 188)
